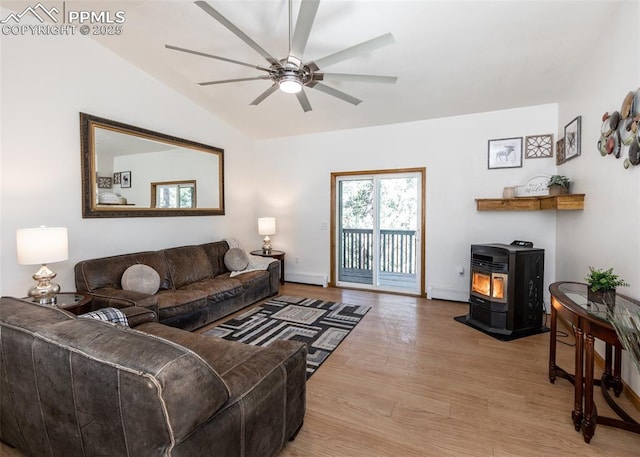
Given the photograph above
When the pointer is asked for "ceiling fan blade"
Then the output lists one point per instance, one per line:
(356, 50)
(306, 16)
(224, 81)
(304, 101)
(239, 33)
(211, 56)
(264, 95)
(359, 78)
(336, 93)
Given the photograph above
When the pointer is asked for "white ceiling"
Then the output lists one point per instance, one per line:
(451, 57)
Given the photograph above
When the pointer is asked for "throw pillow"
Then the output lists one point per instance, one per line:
(141, 278)
(236, 259)
(108, 314)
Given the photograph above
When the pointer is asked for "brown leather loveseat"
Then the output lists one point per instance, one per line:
(83, 387)
(195, 286)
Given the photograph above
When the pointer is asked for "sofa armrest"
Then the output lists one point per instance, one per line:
(118, 298)
(274, 277)
(137, 315)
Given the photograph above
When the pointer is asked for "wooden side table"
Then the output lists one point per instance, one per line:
(71, 301)
(591, 320)
(278, 255)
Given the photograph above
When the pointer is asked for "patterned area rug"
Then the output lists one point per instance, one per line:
(321, 325)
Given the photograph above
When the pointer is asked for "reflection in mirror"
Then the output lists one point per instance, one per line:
(129, 171)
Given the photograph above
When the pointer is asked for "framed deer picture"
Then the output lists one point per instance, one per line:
(505, 153)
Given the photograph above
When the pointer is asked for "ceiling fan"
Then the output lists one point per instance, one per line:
(292, 74)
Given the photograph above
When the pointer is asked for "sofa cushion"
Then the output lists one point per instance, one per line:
(235, 259)
(173, 303)
(218, 289)
(188, 264)
(215, 251)
(141, 278)
(104, 272)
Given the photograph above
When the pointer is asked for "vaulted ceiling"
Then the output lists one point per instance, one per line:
(450, 57)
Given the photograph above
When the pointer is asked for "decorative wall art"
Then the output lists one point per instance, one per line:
(125, 179)
(560, 159)
(572, 138)
(116, 178)
(505, 153)
(539, 146)
(104, 182)
(620, 131)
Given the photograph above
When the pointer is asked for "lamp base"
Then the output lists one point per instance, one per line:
(44, 292)
(266, 245)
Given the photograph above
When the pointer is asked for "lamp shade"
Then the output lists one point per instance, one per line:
(42, 245)
(267, 226)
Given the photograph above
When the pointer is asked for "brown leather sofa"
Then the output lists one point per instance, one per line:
(83, 387)
(195, 286)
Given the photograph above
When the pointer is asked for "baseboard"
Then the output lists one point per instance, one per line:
(444, 293)
(307, 278)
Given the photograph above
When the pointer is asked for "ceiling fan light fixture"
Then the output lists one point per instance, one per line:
(290, 84)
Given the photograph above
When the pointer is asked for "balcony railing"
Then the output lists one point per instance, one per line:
(397, 254)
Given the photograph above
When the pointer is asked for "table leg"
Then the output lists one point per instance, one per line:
(617, 369)
(282, 270)
(608, 352)
(552, 344)
(589, 421)
(577, 413)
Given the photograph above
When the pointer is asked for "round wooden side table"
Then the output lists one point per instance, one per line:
(278, 255)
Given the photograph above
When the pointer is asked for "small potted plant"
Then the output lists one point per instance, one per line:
(602, 285)
(558, 185)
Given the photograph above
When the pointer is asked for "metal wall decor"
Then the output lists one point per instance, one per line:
(572, 138)
(539, 146)
(620, 131)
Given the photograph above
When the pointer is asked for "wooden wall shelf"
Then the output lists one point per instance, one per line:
(557, 202)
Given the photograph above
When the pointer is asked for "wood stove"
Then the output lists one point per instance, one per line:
(506, 288)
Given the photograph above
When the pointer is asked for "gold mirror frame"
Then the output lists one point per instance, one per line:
(89, 156)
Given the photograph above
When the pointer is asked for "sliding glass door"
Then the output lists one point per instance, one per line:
(378, 231)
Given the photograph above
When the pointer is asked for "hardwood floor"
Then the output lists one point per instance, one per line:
(410, 381)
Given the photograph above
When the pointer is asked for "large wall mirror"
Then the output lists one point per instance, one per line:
(128, 171)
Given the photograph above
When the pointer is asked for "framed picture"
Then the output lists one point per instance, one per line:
(539, 146)
(104, 182)
(560, 152)
(572, 138)
(505, 153)
(125, 179)
(116, 178)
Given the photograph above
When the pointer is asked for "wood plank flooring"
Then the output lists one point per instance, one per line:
(410, 381)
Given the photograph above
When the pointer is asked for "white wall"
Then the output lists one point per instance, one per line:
(46, 82)
(296, 183)
(604, 234)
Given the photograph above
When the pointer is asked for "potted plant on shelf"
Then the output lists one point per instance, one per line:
(558, 185)
(602, 285)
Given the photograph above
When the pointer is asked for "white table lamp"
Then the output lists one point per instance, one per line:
(40, 246)
(266, 226)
